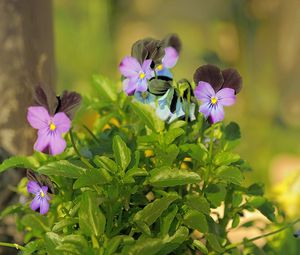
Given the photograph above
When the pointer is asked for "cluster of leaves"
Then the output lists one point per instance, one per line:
(133, 184)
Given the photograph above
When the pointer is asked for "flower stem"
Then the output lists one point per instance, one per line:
(12, 245)
(231, 246)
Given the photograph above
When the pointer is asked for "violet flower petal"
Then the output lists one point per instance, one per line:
(204, 91)
(146, 67)
(33, 187)
(35, 203)
(43, 140)
(170, 58)
(57, 143)
(205, 108)
(62, 122)
(130, 67)
(44, 206)
(142, 85)
(38, 117)
(217, 113)
(129, 86)
(226, 96)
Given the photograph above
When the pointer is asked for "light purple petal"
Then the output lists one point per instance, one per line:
(35, 203)
(217, 113)
(147, 69)
(129, 86)
(45, 190)
(38, 117)
(130, 67)
(62, 122)
(204, 91)
(33, 187)
(44, 206)
(43, 139)
(57, 144)
(142, 85)
(226, 96)
(205, 108)
(170, 58)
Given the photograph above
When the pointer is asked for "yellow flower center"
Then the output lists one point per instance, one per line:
(214, 100)
(52, 126)
(159, 67)
(142, 75)
(42, 194)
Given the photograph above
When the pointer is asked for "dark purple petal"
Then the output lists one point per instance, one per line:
(129, 86)
(226, 96)
(62, 122)
(57, 143)
(130, 67)
(38, 117)
(35, 203)
(173, 41)
(69, 101)
(232, 79)
(43, 139)
(204, 91)
(205, 108)
(45, 96)
(33, 187)
(210, 74)
(217, 113)
(44, 206)
(170, 58)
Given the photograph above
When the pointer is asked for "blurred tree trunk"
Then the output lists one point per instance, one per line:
(26, 58)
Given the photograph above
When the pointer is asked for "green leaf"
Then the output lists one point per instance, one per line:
(167, 157)
(52, 240)
(104, 88)
(92, 177)
(106, 163)
(230, 174)
(144, 246)
(255, 189)
(225, 158)
(64, 223)
(235, 221)
(167, 219)
(32, 246)
(133, 172)
(91, 219)
(121, 152)
(198, 203)
(73, 244)
(148, 116)
(196, 151)
(19, 162)
(151, 212)
(114, 243)
(214, 242)
(62, 168)
(200, 246)
(172, 134)
(215, 193)
(35, 222)
(232, 131)
(268, 210)
(168, 177)
(196, 220)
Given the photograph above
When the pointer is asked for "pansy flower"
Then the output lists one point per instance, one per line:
(216, 89)
(145, 98)
(50, 129)
(41, 199)
(168, 61)
(136, 75)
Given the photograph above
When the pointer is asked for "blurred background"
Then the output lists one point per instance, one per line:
(259, 38)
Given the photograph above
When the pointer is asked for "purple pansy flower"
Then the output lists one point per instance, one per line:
(136, 75)
(50, 129)
(168, 61)
(41, 199)
(212, 102)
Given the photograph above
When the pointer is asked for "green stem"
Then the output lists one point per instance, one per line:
(91, 133)
(12, 245)
(231, 246)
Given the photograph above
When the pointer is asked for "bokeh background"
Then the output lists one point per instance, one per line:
(259, 38)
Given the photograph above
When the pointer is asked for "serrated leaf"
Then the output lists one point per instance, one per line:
(151, 212)
(148, 116)
(230, 174)
(62, 168)
(92, 177)
(91, 219)
(195, 220)
(19, 162)
(225, 158)
(198, 203)
(168, 177)
(121, 152)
